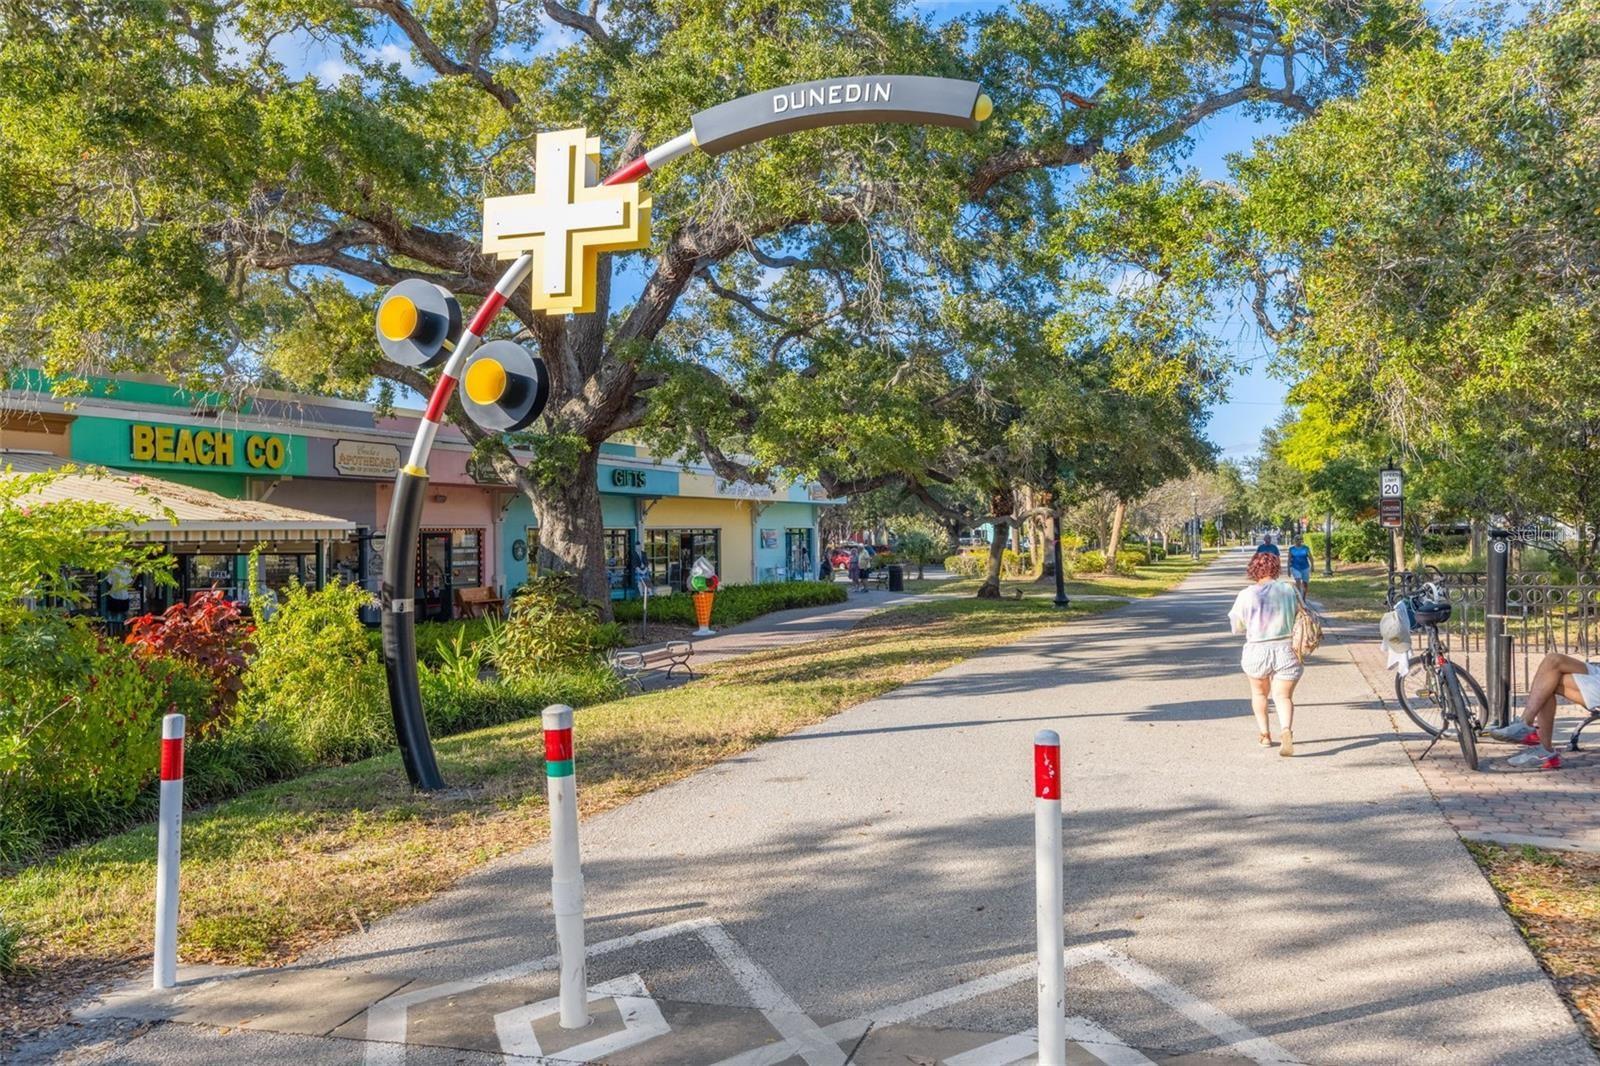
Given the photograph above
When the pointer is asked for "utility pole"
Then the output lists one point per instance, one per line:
(1194, 501)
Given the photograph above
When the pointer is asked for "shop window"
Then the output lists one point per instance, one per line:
(278, 570)
(618, 547)
(671, 552)
(201, 572)
(466, 558)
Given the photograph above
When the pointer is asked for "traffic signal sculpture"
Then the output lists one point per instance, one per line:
(555, 235)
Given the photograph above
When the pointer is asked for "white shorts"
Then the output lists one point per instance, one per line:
(1275, 659)
(1589, 686)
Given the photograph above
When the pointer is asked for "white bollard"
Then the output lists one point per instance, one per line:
(168, 836)
(1049, 899)
(566, 866)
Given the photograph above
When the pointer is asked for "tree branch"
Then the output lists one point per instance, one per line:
(587, 25)
(434, 56)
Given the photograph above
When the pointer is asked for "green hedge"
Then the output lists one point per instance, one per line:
(314, 695)
(737, 603)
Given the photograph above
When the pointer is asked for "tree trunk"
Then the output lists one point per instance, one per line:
(1117, 518)
(990, 589)
(571, 536)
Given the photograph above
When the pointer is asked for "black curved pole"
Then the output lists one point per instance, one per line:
(397, 598)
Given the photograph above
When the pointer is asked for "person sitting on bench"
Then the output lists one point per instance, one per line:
(1557, 675)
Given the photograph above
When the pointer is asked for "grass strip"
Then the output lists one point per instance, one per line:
(1554, 897)
(276, 870)
(1144, 581)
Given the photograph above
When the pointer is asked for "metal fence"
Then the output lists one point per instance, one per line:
(1543, 614)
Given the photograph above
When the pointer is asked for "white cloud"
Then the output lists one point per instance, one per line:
(393, 54)
(330, 71)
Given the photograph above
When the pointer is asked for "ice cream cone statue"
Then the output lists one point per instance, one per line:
(703, 584)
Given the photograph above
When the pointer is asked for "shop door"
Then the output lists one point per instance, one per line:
(797, 554)
(433, 577)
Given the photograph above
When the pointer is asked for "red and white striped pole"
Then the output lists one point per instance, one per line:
(1049, 898)
(566, 866)
(168, 835)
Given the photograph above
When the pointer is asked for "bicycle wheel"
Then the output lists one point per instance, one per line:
(1466, 734)
(1421, 697)
(1477, 702)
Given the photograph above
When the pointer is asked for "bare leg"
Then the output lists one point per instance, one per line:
(1546, 723)
(1548, 679)
(1283, 697)
(1259, 686)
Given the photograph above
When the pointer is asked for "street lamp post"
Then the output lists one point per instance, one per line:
(1061, 577)
(1194, 544)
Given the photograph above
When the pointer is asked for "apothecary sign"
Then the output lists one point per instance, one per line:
(362, 458)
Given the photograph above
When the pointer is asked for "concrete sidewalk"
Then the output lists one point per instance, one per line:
(862, 891)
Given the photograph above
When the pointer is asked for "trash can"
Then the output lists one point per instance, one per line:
(897, 578)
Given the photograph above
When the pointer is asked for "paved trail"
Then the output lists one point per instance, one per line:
(862, 891)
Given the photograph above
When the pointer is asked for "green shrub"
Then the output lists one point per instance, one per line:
(964, 565)
(80, 729)
(1013, 563)
(737, 603)
(1359, 542)
(316, 683)
(1129, 561)
(10, 946)
(1092, 561)
(550, 627)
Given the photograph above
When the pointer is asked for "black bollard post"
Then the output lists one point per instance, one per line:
(1494, 628)
(1061, 578)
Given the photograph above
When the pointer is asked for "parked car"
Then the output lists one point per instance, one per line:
(839, 556)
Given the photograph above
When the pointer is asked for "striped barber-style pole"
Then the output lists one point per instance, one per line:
(652, 160)
(566, 866)
(1049, 898)
(168, 837)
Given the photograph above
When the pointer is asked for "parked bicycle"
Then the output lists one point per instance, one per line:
(1441, 697)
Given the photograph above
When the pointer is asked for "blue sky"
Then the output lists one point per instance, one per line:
(1255, 399)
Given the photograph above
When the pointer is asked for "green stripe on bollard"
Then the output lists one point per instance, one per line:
(560, 768)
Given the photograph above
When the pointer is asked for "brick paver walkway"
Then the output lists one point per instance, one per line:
(1558, 810)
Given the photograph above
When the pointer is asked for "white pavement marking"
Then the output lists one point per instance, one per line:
(1237, 1037)
(641, 1021)
(386, 1019)
(798, 1030)
(818, 1045)
(1096, 1040)
(1007, 1049)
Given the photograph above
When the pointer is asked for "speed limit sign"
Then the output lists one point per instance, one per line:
(1390, 485)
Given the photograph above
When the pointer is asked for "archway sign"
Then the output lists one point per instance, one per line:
(554, 235)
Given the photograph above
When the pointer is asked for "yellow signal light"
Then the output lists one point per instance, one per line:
(397, 318)
(486, 381)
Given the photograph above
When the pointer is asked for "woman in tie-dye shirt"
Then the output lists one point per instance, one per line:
(1264, 613)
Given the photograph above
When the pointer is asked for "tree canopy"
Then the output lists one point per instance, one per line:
(865, 305)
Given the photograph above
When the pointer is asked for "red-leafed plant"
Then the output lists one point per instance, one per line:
(207, 632)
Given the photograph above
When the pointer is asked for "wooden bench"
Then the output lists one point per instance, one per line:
(634, 666)
(479, 603)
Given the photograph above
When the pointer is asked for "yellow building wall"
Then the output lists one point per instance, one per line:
(732, 517)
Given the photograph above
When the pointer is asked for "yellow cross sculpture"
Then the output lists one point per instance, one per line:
(566, 222)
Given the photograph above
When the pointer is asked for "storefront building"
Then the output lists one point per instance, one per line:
(338, 459)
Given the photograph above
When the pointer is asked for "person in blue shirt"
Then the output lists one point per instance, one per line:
(1266, 547)
(1300, 565)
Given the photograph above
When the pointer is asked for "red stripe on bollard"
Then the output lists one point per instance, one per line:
(172, 759)
(1046, 771)
(557, 745)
